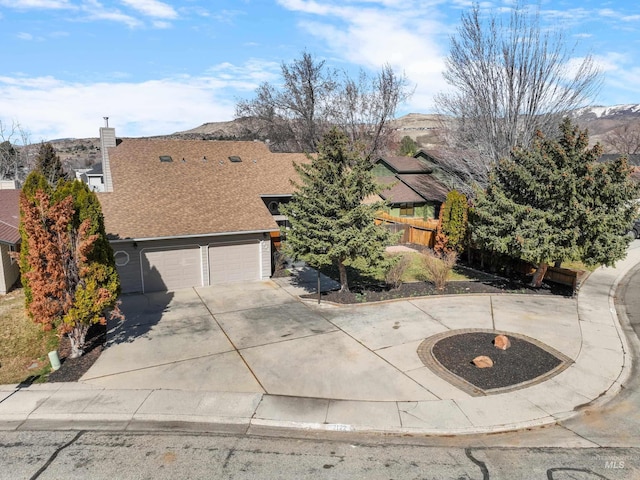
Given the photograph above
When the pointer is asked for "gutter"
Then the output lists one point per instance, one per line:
(172, 237)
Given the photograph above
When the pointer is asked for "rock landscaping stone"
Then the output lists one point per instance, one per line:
(482, 361)
(501, 342)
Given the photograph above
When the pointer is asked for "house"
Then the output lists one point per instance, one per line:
(92, 177)
(414, 187)
(9, 238)
(184, 213)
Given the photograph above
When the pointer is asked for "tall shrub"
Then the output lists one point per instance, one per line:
(452, 227)
(67, 263)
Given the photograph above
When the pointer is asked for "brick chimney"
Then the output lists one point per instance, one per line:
(107, 140)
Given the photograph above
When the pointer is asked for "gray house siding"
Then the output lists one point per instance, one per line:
(10, 269)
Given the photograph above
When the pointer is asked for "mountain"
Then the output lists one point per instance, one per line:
(603, 121)
(423, 128)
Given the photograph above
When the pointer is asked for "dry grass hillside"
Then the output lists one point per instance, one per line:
(423, 128)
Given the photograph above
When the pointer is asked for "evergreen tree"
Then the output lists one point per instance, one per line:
(408, 146)
(66, 261)
(34, 182)
(48, 163)
(451, 233)
(555, 203)
(329, 222)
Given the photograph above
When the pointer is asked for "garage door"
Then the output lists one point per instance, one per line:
(238, 262)
(171, 268)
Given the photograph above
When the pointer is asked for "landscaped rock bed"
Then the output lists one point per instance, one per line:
(526, 361)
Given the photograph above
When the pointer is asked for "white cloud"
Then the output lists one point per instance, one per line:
(52, 108)
(25, 36)
(160, 24)
(36, 4)
(406, 35)
(96, 11)
(618, 69)
(247, 76)
(152, 8)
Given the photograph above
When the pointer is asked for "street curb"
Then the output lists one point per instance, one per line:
(625, 373)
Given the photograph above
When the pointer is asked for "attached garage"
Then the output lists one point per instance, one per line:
(171, 268)
(236, 262)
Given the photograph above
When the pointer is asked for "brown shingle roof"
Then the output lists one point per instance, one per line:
(398, 192)
(9, 216)
(427, 186)
(153, 199)
(407, 164)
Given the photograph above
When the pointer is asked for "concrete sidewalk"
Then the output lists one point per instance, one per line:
(242, 357)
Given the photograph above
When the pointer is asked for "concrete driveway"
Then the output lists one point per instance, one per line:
(260, 338)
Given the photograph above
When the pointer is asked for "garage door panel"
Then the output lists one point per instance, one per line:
(171, 269)
(234, 263)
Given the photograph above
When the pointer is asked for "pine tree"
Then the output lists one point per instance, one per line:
(67, 264)
(329, 222)
(48, 163)
(555, 203)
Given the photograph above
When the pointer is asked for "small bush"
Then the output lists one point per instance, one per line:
(396, 271)
(439, 266)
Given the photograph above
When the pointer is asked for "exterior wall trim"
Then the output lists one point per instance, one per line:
(198, 235)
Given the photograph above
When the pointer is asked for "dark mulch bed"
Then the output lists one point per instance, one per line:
(72, 369)
(523, 362)
(483, 284)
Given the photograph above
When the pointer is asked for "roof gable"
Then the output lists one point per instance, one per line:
(416, 179)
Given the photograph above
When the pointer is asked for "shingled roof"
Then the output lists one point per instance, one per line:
(407, 164)
(397, 192)
(9, 216)
(429, 187)
(203, 190)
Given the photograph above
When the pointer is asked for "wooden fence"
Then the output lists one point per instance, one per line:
(566, 276)
(414, 230)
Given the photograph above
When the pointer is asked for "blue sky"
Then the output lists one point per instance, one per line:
(156, 67)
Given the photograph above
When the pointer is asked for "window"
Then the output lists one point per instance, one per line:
(121, 258)
(13, 251)
(406, 210)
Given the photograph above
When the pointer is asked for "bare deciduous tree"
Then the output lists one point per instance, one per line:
(510, 78)
(14, 152)
(313, 98)
(624, 139)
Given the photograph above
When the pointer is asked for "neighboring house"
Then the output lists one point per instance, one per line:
(9, 238)
(414, 187)
(93, 177)
(184, 213)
